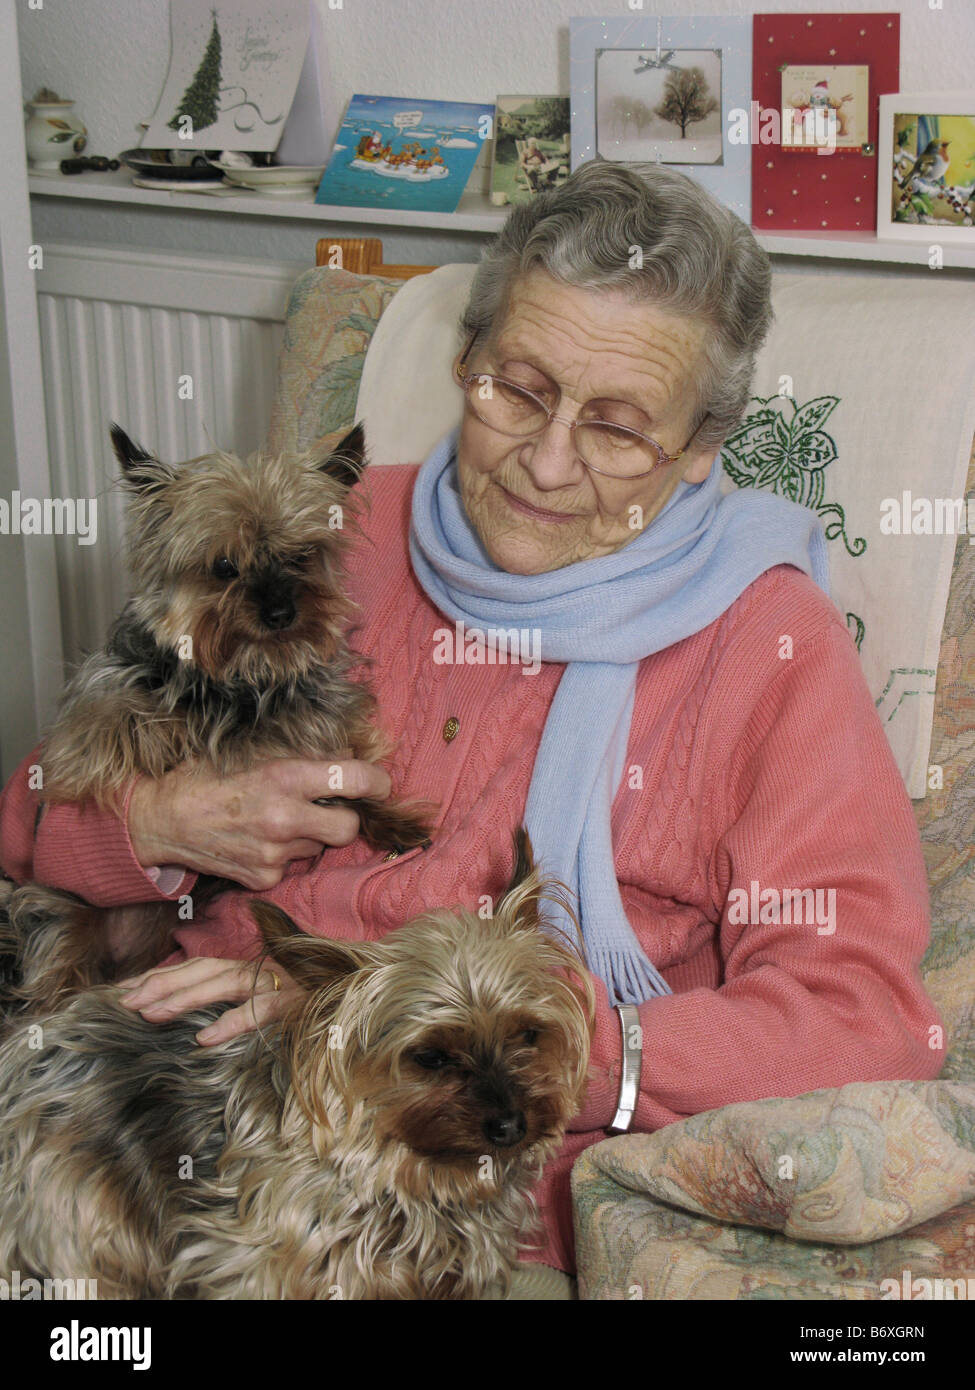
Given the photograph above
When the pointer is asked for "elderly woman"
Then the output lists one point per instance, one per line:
(697, 732)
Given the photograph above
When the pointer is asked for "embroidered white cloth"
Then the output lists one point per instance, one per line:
(864, 410)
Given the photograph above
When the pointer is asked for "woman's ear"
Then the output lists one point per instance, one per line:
(699, 464)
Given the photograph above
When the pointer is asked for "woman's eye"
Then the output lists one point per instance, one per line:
(614, 436)
(627, 417)
(432, 1059)
(518, 396)
(224, 568)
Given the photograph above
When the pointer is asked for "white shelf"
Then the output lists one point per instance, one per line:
(867, 246)
(475, 214)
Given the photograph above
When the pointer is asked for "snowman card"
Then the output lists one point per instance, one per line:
(832, 97)
(829, 71)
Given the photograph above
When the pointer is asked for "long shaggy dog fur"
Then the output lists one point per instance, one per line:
(382, 1143)
(231, 652)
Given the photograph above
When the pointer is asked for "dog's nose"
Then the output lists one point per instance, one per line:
(279, 614)
(506, 1129)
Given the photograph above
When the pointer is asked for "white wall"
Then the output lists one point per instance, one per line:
(30, 632)
(111, 56)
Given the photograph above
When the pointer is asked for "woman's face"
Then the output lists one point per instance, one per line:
(534, 504)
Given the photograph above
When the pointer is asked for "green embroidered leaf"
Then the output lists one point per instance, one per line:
(814, 414)
(782, 429)
(791, 483)
(814, 450)
(775, 460)
(750, 439)
(781, 445)
(734, 470)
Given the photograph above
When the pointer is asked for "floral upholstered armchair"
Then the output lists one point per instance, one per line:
(866, 1191)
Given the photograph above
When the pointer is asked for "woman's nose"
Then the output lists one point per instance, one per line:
(553, 461)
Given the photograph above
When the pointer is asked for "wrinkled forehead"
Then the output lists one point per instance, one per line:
(600, 341)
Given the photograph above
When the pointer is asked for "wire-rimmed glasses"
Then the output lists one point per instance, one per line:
(607, 447)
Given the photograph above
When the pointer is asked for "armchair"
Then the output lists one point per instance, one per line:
(827, 1195)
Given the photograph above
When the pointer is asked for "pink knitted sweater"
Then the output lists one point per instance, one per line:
(748, 770)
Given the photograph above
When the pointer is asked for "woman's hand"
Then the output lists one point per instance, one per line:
(250, 826)
(162, 994)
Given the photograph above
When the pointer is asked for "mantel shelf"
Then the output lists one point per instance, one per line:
(475, 214)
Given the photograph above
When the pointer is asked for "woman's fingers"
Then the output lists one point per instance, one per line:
(163, 979)
(173, 990)
(261, 1009)
(249, 826)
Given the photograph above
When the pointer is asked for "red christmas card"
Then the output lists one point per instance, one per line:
(816, 84)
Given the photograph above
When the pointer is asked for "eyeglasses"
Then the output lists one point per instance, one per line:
(605, 446)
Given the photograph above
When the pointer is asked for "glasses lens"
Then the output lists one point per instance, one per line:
(505, 407)
(615, 450)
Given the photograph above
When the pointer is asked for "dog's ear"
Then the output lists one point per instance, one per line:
(139, 469)
(524, 859)
(347, 460)
(312, 961)
(520, 905)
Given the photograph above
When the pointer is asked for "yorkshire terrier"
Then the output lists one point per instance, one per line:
(231, 651)
(381, 1142)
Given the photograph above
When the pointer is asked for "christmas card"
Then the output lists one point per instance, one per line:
(668, 90)
(405, 153)
(814, 120)
(233, 71)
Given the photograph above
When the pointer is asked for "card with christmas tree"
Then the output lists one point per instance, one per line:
(233, 71)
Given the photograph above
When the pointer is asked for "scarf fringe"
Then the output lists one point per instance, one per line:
(627, 974)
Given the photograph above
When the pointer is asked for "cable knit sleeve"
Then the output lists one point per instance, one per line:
(820, 990)
(77, 848)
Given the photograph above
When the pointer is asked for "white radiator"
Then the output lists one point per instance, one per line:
(180, 351)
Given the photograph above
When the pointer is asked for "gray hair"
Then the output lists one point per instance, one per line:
(698, 260)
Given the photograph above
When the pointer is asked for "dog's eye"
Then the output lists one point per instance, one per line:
(432, 1059)
(225, 569)
(530, 1037)
(303, 560)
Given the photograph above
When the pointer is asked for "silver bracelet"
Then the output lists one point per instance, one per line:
(632, 1066)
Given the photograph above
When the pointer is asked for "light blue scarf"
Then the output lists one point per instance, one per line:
(602, 617)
